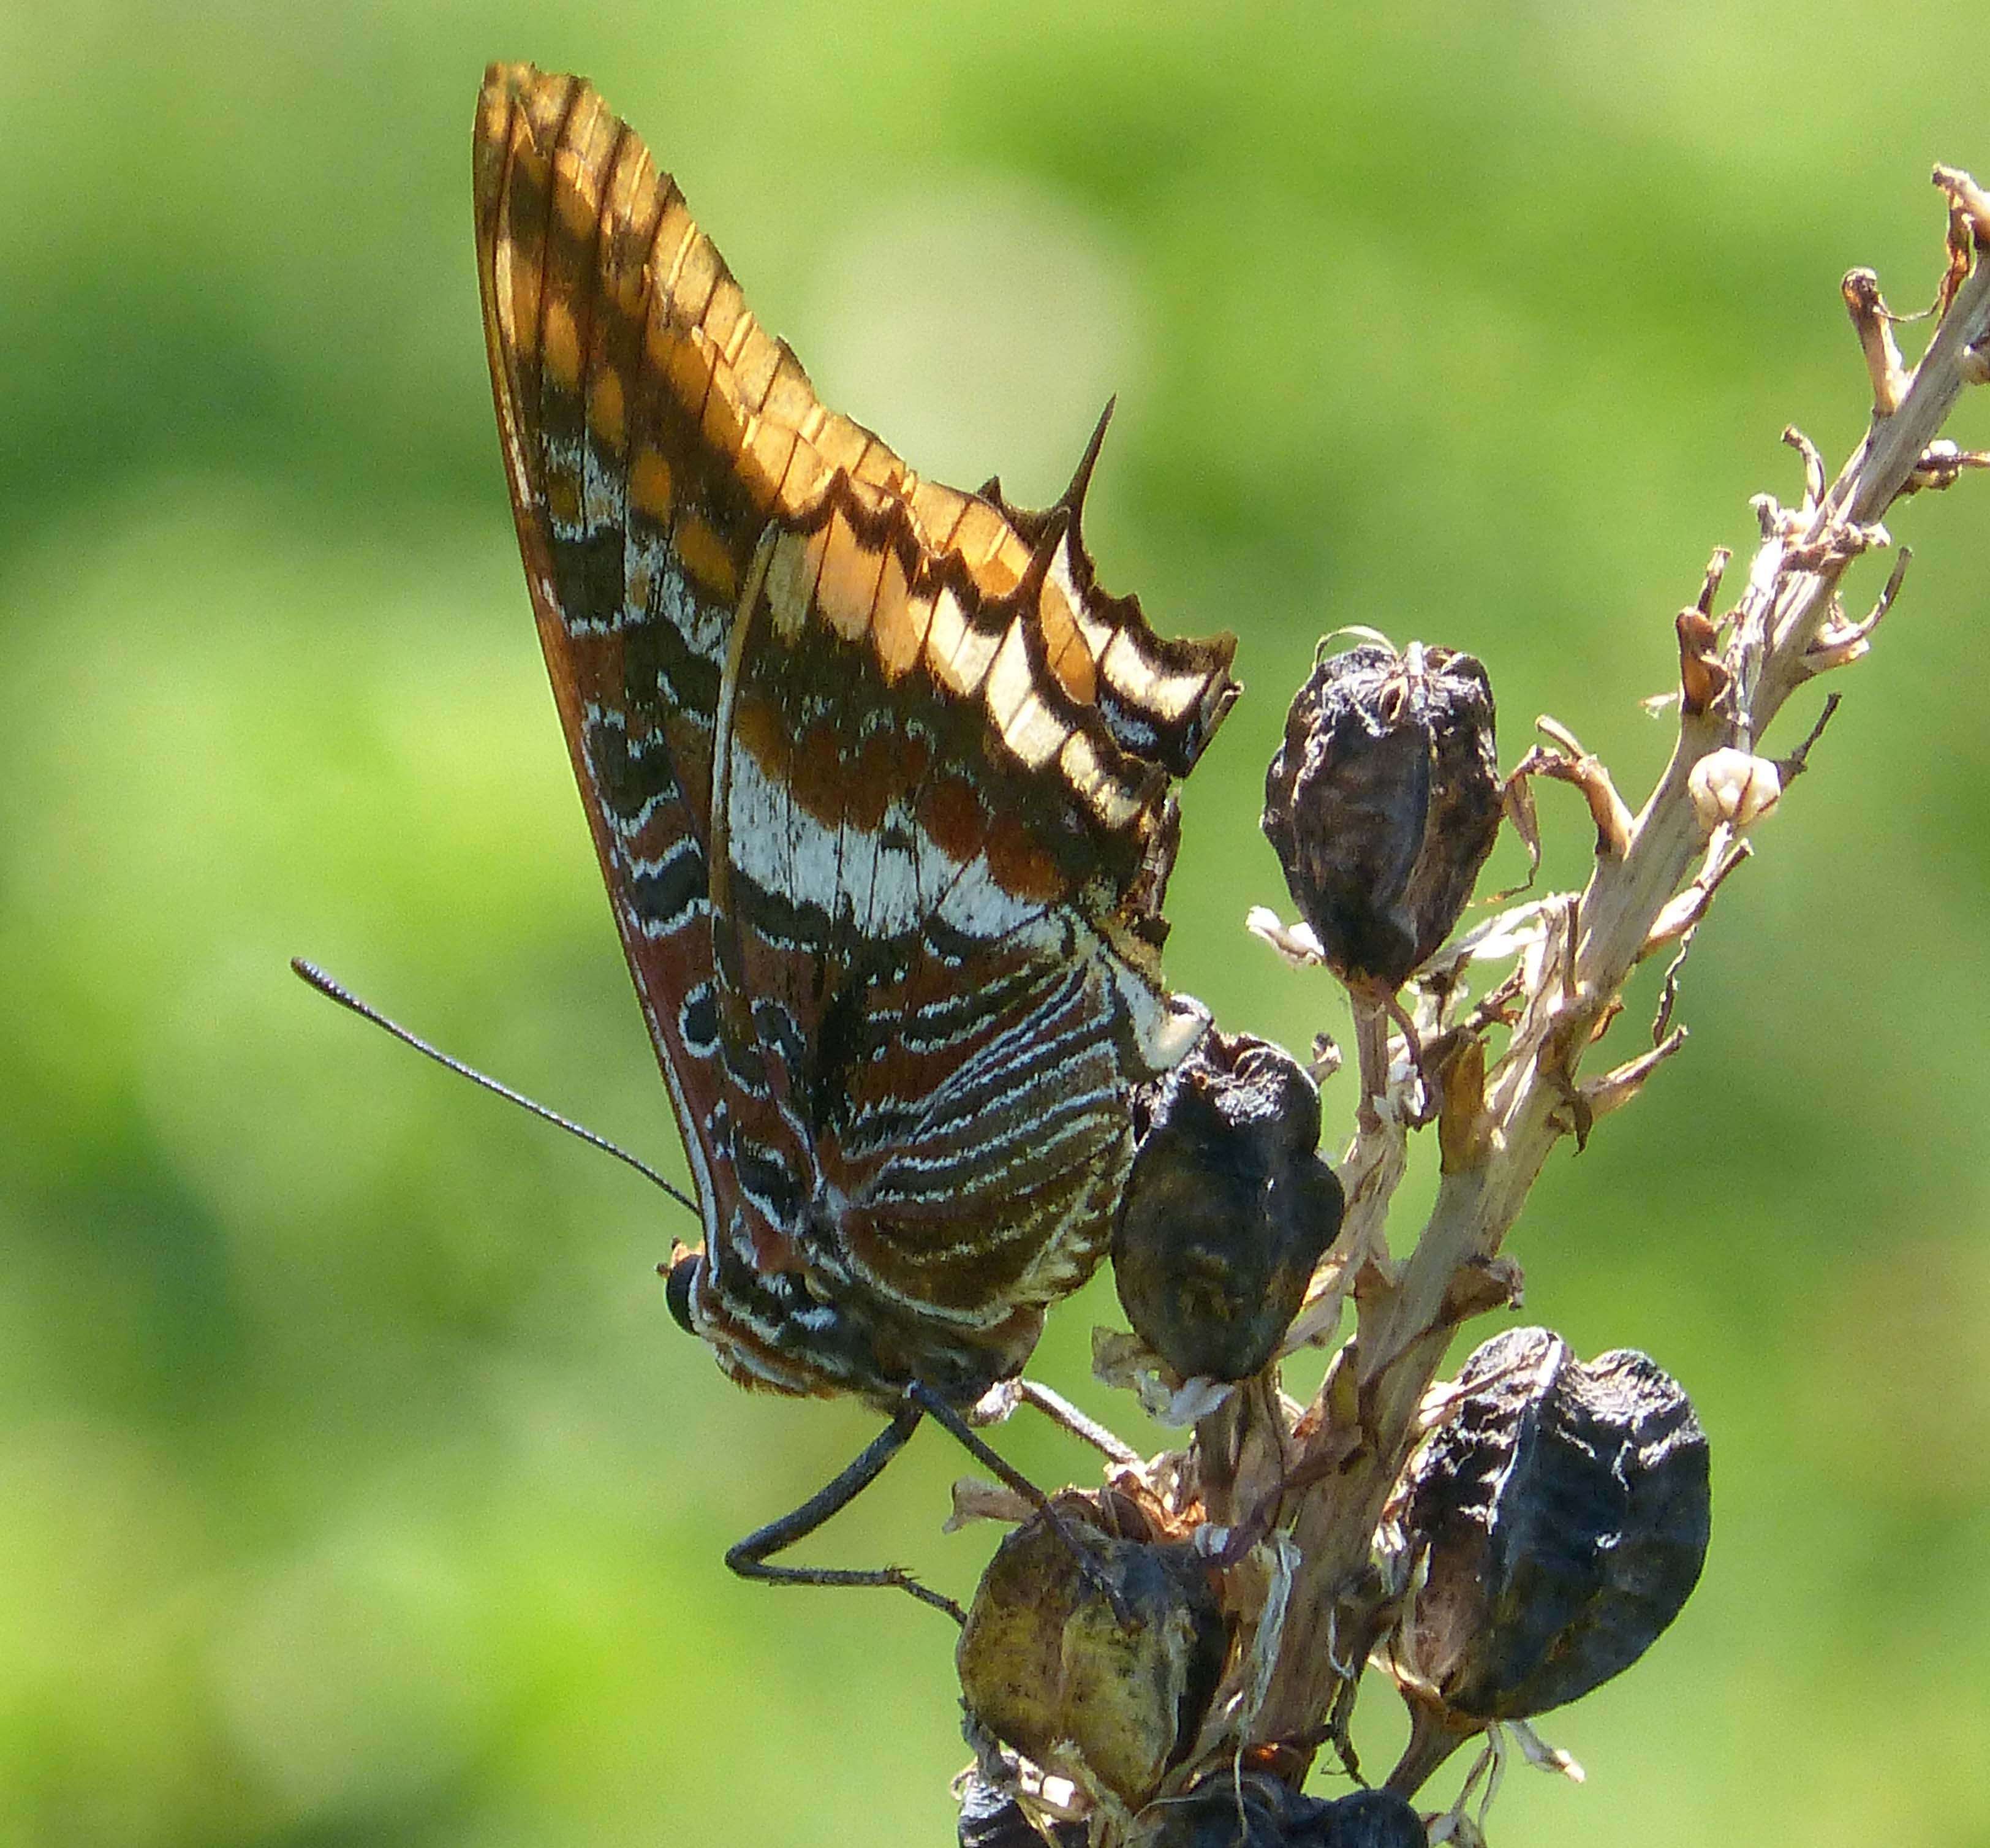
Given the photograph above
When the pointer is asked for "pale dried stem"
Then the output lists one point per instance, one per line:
(1403, 1326)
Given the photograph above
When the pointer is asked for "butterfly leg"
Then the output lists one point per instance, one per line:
(1061, 1412)
(923, 1398)
(749, 1558)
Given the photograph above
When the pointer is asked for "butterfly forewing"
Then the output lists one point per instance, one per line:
(877, 774)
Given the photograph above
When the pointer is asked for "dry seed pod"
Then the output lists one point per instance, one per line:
(1254, 1810)
(1372, 1819)
(1383, 803)
(1227, 1209)
(1563, 1514)
(1249, 1811)
(1048, 1667)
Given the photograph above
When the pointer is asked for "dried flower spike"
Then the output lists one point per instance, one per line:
(1383, 803)
(1562, 1515)
(1047, 1666)
(1227, 1209)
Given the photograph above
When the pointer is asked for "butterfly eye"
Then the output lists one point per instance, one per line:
(678, 1281)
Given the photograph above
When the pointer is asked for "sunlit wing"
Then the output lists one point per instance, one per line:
(882, 837)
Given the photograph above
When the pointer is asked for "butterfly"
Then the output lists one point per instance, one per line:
(881, 785)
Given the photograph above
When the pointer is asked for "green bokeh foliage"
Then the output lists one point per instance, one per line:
(354, 1486)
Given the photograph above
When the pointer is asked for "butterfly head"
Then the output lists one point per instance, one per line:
(679, 1275)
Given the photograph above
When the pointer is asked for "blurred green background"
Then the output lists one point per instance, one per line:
(353, 1485)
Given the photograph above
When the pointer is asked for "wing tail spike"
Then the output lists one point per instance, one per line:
(1072, 499)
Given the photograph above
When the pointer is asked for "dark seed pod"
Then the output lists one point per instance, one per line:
(1383, 801)
(1372, 1819)
(1255, 1811)
(992, 1817)
(1563, 1513)
(1049, 1667)
(1227, 1209)
(1250, 1811)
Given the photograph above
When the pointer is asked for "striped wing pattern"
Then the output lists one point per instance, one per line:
(879, 778)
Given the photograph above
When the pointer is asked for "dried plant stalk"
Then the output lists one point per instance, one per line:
(1785, 630)
(1305, 1490)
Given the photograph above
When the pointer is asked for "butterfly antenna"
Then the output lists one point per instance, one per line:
(337, 991)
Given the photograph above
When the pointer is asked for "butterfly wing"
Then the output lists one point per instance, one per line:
(597, 288)
(877, 800)
(928, 858)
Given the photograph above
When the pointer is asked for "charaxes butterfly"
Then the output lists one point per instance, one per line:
(880, 780)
